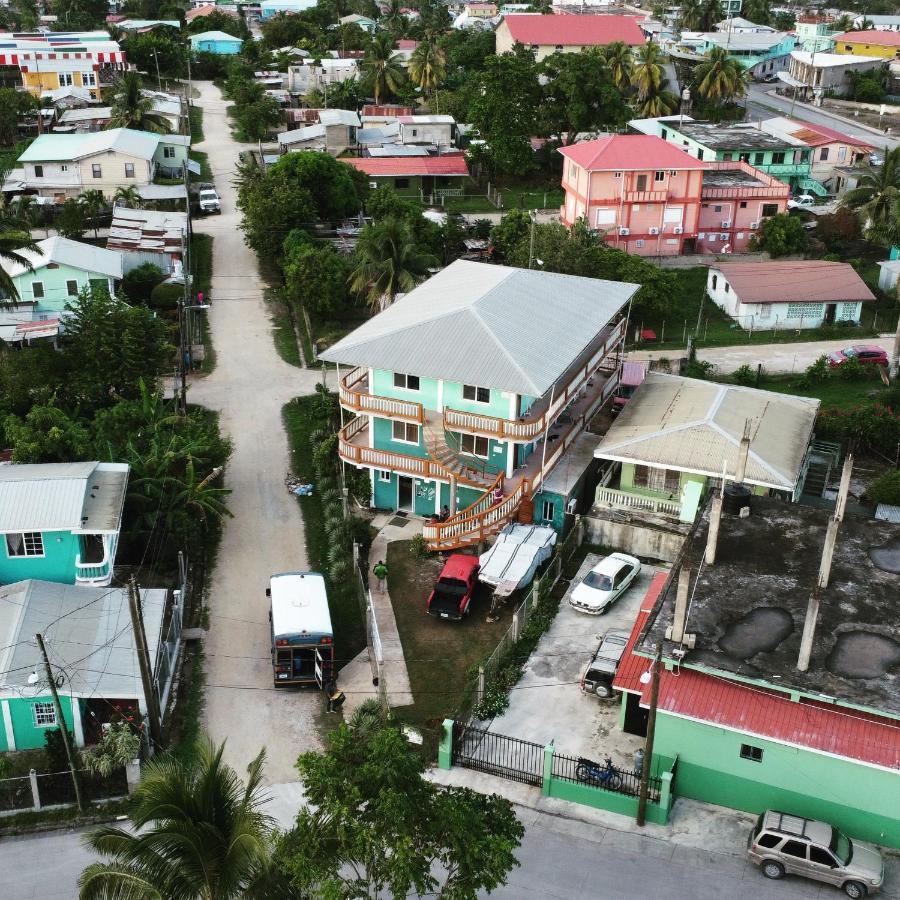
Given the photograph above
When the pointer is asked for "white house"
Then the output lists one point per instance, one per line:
(794, 294)
(437, 130)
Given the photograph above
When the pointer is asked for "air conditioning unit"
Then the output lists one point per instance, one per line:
(724, 236)
(654, 231)
(572, 506)
(754, 226)
(726, 223)
(678, 230)
(373, 185)
(624, 232)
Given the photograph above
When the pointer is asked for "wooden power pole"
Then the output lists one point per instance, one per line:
(61, 722)
(140, 642)
(651, 732)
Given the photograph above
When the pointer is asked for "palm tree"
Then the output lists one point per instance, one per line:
(388, 263)
(648, 73)
(620, 60)
(876, 196)
(15, 236)
(128, 196)
(691, 15)
(198, 833)
(758, 11)
(659, 101)
(720, 78)
(711, 12)
(392, 18)
(131, 108)
(428, 66)
(94, 205)
(382, 65)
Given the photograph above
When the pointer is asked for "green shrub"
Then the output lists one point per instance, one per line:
(699, 368)
(818, 371)
(745, 375)
(417, 547)
(166, 296)
(885, 489)
(138, 284)
(852, 370)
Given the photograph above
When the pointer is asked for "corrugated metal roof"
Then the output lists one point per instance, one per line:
(628, 152)
(888, 513)
(689, 425)
(93, 645)
(157, 231)
(83, 497)
(86, 115)
(412, 166)
(632, 666)
(509, 329)
(62, 251)
(298, 135)
(794, 281)
(338, 117)
(63, 147)
(768, 714)
(580, 31)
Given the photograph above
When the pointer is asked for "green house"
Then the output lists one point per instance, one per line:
(470, 391)
(746, 724)
(60, 521)
(90, 643)
(676, 436)
(429, 179)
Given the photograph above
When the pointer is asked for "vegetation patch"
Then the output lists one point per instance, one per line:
(283, 329)
(201, 274)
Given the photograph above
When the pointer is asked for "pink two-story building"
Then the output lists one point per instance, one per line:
(650, 198)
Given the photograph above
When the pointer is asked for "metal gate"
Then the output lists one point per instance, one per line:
(497, 754)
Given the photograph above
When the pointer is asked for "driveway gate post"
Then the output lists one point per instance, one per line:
(548, 769)
(445, 748)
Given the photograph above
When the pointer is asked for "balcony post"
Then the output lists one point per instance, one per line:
(452, 495)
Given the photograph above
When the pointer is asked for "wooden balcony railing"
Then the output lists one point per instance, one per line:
(610, 498)
(359, 400)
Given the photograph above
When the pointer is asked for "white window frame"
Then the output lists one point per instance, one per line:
(385, 475)
(32, 545)
(548, 510)
(659, 175)
(401, 382)
(468, 443)
(43, 714)
(38, 171)
(131, 167)
(168, 153)
(37, 290)
(96, 170)
(475, 389)
(405, 425)
(65, 79)
(89, 79)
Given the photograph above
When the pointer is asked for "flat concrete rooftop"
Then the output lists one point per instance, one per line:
(748, 609)
(719, 178)
(731, 137)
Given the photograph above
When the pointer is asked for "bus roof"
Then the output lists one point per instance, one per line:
(299, 604)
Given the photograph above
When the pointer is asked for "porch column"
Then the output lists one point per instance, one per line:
(77, 727)
(510, 459)
(452, 495)
(7, 725)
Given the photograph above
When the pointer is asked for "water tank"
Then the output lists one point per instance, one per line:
(736, 498)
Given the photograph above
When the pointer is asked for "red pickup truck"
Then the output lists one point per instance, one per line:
(452, 594)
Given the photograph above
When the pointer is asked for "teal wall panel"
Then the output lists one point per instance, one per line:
(21, 711)
(427, 394)
(384, 440)
(57, 563)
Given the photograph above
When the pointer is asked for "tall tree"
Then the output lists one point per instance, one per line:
(198, 832)
(657, 101)
(382, 66)
(128, 195)
(720, 78)
(758, 11)
(15, 236)
(94, 205)
(711, 13)
(648, 73)
(131, 108)
(620, 60)
(876, 197)
(428, 66)
(387, 263)
(691, 15)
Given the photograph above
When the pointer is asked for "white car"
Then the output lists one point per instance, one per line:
(605, 583)
(804, 201)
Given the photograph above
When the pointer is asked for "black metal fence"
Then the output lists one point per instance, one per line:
(497, 754)
(600, 775)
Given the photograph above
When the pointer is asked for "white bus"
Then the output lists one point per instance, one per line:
(302, 637)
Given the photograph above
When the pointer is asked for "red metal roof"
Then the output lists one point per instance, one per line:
(822, 727)
(632, 666)
(411, 165)
(816, 135)
(795, 281)
(628, 152)
(575, 31)
(879, 38)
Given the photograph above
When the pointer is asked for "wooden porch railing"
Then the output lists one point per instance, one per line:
(361, 401)
(613, 499)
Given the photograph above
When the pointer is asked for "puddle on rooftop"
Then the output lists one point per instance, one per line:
(887, 557)
(861, 654)
(759, 631)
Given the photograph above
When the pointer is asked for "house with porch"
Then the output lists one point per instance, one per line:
(61, 521)
(60, 270)
(780, 294)
(760, 53)
(92, 653)
(424, 178)
(468, 392)
(546, 35)
(669, 445)
(751, 726)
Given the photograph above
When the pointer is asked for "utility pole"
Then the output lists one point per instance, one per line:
(140, 643)
(158, 79)
(895, 353)
(651, 732)
(61, 722)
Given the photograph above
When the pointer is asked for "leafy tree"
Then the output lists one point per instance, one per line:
(70, 220)
(13, 105)
(382, 66)
(467, 51)
(758, 11)
(506, 98)
(384, 203)
(46, 434)
(620, 60)
(80, 15)
(119, 745)
(198, 832)
(885, 489)
(876, 197)
(428, 66)
(131, 108)
(784, 21)
(128, 196)
(657, 100)
(336, 188)
(291, 31)
(376, 827)
(648, 75)
(720, 78)
(387, 263)
(711, 13)
(510, 232)
(94, 205)
(317, 275)
(219, 20)
(257, 118)
(15, 237)
(157, 47)
(691, 15)
(140, 281)
(782, 234)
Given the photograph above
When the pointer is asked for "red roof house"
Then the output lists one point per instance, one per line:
(411, 166)
(550, 34)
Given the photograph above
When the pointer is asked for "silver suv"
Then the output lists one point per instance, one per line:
(598, 676)
(784, 844)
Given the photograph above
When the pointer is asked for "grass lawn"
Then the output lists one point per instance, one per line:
(438, 653)
(301, 418)
(470, 203)
(532, 197)
(205, 171)
(201, 273)
(833, 392)
(283, 329)
(196, 119)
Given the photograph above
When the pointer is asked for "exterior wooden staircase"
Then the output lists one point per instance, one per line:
(448, 458)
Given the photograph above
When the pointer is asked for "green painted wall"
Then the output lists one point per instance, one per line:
(861, 800)
(56, 294)
(57, 563)
(588, 795)
(499, 405)
(559, 509)
(384, 440)
(427, 394)
(385, 492)
(21, 711)
(424, 497)
(626, 483)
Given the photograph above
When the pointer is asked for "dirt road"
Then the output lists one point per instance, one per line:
(249, 386)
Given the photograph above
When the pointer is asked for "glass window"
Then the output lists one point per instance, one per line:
(129, 170)
(617, 174)
(384, 475)
(401, 182)
(168, 153)
(699, 154)
(44, 715)
(659, 176)
(823, 153)
(405, 432)
(641, 183)
(654, 479)
(548, 511)
(27, 543)
(37, 289)
(743, 204)
(748, 751)
(406, 382)
(478, 394)
(794, 848)
(597, 580)
(72, 288)
(822, 857)
(38, 171)
(96, 170)
(769, 209)
(769, 841)
(778, 157)
(477, 446)
(758, 159)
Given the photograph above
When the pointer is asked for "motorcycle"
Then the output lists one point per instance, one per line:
(591, 772)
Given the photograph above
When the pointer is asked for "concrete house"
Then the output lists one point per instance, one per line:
(217, 42)
(437, 131)
(815, 33)
(63, 165)
(60, 521)
(417, 177)
(310, 76)
(546, 35)
(814, 74)
(760, 53)
(668, 447)
(883, 44)
(788, 295)
(61, 268)
(457, 404)
(94, 654)
(749, 727)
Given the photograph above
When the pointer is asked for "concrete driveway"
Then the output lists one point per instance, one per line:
(547, 703)
(249, 386)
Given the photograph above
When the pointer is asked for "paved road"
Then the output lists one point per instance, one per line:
(762, 105)
(249, 385)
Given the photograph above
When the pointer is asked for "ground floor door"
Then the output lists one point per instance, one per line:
(830, 313)
(635, 716)
(404, 493)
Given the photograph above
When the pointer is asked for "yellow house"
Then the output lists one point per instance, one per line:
(883, 44)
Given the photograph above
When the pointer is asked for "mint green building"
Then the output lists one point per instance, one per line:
(471, 390)
(60, 522)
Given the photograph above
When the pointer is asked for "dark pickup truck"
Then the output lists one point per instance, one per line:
(452, 594)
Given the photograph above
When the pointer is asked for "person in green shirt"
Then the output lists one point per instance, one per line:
(380, 572)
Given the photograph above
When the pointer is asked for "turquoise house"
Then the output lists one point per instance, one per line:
(60, 270)
(761, 53)
(216, 42)
(469, 392)
(94, 660)
(60, 521)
